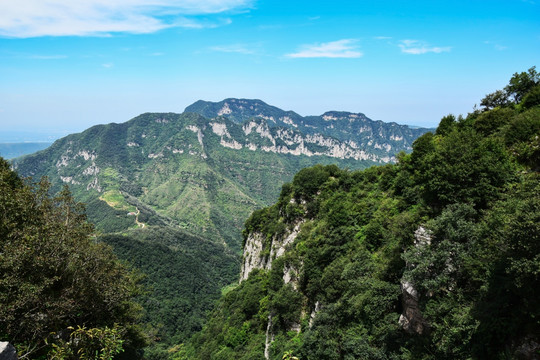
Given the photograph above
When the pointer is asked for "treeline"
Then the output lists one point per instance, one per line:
(363, 286)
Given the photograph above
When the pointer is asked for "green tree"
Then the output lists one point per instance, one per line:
(496, 99)
(521, 83)
(532, 98)
(53, 275)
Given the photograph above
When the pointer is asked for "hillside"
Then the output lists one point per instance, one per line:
(435, 257)
(205, 174)
(62, 294)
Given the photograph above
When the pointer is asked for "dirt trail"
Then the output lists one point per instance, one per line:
(140, 224)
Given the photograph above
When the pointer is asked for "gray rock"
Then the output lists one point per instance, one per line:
(528, 349)
(7, 351)
(411, 320)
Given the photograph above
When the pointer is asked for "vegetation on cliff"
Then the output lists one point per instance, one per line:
(435, 257)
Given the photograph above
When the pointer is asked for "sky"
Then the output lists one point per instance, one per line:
(66, 65)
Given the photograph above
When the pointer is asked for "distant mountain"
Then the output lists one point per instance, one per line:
(206, 169)
(13, 150)
(240, 110)
(378, 139)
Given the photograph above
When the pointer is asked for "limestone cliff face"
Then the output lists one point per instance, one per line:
(336, 134)
(259, 251)
(411, 320)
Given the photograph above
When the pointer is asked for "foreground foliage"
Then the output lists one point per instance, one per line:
(55, 277)
(472, 188)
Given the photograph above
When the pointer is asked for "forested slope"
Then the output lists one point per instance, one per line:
(435, 257)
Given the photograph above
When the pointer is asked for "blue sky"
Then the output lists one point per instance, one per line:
(68, 65)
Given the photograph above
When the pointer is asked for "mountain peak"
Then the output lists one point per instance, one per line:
(240, 110)
(343, 115)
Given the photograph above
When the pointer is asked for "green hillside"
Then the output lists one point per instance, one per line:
(184, 276)
(435, 257)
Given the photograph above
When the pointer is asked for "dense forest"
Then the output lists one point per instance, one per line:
(434, 257)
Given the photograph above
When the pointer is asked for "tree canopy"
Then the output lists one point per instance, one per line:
(55, 278)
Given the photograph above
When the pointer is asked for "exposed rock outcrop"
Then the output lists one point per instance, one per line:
(7, 351)
(259, 252)
(269, 338)
(411, 320)
(528, 349)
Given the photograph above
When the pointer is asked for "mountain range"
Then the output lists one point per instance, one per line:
(16, 149)
(433, 257)
(206, 169)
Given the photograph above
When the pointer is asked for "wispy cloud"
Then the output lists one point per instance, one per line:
(383, 37)
(34, 18)
(234, 48)
(346, 48)
(417, 47)
(496, 46)
(107, 65)
(47, 57)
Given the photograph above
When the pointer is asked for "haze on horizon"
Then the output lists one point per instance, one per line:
(66, 66)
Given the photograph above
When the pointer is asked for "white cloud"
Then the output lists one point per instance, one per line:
(47, 57)
(345, 48)
(234, 48)
(33, 18)
(417, 47)
(496, 46)
(107, 65)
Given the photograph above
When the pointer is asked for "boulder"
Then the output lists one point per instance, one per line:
(7, 351)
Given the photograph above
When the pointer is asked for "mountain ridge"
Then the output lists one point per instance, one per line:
(220, 168)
